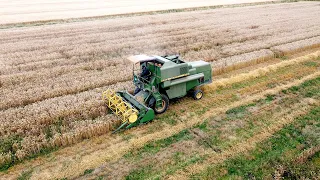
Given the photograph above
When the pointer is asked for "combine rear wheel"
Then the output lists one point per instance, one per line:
(197, 94)
(165, 104)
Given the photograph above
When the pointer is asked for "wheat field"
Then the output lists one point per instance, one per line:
(16, 11)
(52, 76)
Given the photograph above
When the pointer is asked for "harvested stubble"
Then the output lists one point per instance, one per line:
(303, 157)
(278, 174)
(243, 146)
(289, 48)
(4, 158)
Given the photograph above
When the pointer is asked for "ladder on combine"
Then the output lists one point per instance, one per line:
(158, 98)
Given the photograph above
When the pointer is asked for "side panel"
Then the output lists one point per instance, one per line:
(203, 67)
(192, 84)
(208, 75)
(182, 80)
(178, 90)
(173, 70)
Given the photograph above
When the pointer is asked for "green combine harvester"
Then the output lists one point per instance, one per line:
(157, 79)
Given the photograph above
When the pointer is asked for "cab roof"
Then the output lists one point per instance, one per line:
(144, 58)
(140, 58)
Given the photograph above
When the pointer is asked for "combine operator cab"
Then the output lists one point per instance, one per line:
(146, 73)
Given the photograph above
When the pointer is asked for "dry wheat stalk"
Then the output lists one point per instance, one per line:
(30, 56)
(287, 49)
(122, 148)
(30, 91)
(260, 71)
(236, 62)
(25, 52)
(306, 154)
(5, 158)
(32, 118)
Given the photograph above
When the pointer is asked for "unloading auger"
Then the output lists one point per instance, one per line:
(160, 78)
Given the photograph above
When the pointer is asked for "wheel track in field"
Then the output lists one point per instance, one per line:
(170, 130)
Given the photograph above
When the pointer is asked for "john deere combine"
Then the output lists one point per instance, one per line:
(158, 79)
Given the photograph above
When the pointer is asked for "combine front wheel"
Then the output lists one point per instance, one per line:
(197, 94)
(164, 107)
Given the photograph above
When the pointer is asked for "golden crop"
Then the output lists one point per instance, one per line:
(52, 76)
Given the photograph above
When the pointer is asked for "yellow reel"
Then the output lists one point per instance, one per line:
(121, 108)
